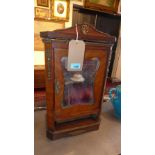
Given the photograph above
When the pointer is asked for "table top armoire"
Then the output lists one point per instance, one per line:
(74, 98)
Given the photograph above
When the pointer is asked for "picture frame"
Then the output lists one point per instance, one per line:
(43, 3)
(60, 10)
(110, 6)
(41, 13)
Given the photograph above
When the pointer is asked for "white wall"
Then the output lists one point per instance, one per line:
(39, 58)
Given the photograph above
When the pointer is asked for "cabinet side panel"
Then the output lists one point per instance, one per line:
(108, 60)
(49, 79)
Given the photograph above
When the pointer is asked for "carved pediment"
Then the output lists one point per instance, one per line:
(85, 32)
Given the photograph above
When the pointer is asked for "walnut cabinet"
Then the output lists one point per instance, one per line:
(74, 97)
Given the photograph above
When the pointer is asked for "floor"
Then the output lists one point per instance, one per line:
(105, 141)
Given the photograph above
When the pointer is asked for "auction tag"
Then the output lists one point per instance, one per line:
(76, 55)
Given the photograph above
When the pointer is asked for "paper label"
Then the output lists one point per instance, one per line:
(76, 55)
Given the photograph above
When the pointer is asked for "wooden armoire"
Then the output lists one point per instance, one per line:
(74, 98)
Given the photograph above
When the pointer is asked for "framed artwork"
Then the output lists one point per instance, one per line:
(103, 5)
(41, 13)
(60, 9)
(77, 0)
(119, 8)
(44, 3)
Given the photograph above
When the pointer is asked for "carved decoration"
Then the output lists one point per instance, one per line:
(84, 29)
(48, 58)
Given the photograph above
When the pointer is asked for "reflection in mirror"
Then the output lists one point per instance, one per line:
(79, 85)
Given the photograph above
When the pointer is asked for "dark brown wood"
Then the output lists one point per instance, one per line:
(78, 118)
(39, 99)
(79, 110)
(85, 32)
(39, 77)
(73, 130)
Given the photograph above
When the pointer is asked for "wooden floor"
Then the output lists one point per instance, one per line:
(105, 141)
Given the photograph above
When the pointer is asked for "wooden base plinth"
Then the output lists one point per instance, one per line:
(72, 131)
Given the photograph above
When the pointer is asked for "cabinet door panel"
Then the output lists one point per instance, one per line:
(72, 98)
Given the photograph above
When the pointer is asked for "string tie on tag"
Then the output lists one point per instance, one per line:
(77, 34)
